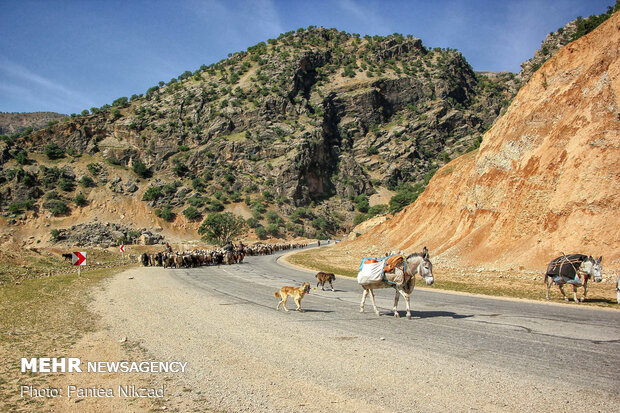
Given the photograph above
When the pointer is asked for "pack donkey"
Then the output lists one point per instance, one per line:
(403, 280)
(574, 269)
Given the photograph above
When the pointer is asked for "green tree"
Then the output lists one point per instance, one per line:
(252, 222)
(80, 200)
(53, 151)
(359, 218)
(401, 200)
(361, 202)
(261, 232)
(273, 230)
(377, 209)
(220, 228)
(65, 184)
(165, 213)
(22, 157)
(141, 170)
(87, 182)
(191, 213)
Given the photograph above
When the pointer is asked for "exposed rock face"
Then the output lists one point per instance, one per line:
(546, 178)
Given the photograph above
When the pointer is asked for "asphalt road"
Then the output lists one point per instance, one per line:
(563, 344)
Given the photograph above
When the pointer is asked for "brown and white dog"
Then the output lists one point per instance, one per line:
(323, 277)
(296, 292)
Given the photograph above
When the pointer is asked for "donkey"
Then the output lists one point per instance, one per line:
(575, 269)
(417, 263)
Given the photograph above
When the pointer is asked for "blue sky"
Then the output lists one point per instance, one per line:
(66, 56)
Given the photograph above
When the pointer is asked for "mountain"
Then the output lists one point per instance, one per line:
(554, 41)
(17, 123)
(297, 133)
(544, 181)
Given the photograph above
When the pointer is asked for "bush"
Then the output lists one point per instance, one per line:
(319, 223)
(53, 151)
(113, 161)
(152, 193)
(94, 168)
(372, 150)
(361, 202)
(87, 182)
(402, 199)
(252, 222)
(377, 210)
(180, 169)
(191, 213)
(273, 230)
(165, 213)
(55, 234)
(215, 206)
(80, 200)
(197, 184)
(196, 201)
(359, 218)
(273, 217)
(22, 157)
(141, 170)
(15, 208)
(261, 232)
(57, 207)
(235, 197)
(66, 185)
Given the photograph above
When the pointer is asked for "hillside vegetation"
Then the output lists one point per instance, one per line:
(298, 132)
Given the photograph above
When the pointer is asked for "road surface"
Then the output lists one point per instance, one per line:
(457, 352)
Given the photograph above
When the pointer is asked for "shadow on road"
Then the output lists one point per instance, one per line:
(432, 314)
(317, 311)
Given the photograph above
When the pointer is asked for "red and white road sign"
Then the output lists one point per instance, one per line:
(78, 258)
(122, 248)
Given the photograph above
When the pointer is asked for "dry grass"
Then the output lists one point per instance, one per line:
(513, 284)
(43, 316)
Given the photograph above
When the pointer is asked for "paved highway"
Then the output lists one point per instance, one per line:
(569, 345)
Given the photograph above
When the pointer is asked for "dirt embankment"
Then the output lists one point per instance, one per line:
(546, 178)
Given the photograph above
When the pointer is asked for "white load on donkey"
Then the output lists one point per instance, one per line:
(390, 269)
(395, 271)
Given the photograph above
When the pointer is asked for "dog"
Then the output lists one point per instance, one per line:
(296, 292)
(323, 277)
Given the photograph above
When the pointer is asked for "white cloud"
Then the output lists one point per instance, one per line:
(27, 85)
(240, 21)
(365, 18)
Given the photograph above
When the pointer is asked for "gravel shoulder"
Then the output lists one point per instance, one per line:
(247, 357)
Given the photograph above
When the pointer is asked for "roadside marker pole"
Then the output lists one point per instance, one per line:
(78, 259)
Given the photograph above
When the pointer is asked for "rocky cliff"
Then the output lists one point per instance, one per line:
(546, 178)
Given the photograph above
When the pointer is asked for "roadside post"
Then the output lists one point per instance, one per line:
(78, 258)
(122, 248)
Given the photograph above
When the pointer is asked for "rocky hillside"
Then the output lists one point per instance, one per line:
(295, 133)
(18, 123)
(546, 178)
(554, 41)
